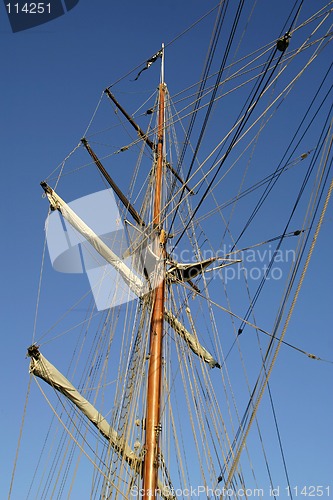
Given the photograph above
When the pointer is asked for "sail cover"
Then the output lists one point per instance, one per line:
(133, 282)
(186, 272)
(42, 368)
(191, 341)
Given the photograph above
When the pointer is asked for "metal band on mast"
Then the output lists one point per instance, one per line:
(153, 425)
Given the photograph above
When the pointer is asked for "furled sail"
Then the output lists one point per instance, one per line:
(57, 203)
(191, 341)
(134, 283)
(185, 272)
(42, 368)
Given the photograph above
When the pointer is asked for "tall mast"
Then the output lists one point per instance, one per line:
(153, 426)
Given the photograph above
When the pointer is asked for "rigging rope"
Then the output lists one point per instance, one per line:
(195, 389)
(167, 44)
(251, 125)
(19, 438)
(299, 286)
(73, 437)
(210, 106)
(242, 123)
(256, 327)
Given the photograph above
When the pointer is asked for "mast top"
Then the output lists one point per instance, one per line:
(162, 64)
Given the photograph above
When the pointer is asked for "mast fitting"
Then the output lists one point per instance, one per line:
(33, 351)
(283, 42)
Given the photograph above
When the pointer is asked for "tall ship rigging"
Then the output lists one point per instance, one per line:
(190, 222)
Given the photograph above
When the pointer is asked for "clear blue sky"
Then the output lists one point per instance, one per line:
(52, 77)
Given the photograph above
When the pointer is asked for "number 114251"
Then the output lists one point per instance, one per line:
(29, 8)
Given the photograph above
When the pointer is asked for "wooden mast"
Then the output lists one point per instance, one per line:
(153, 425)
